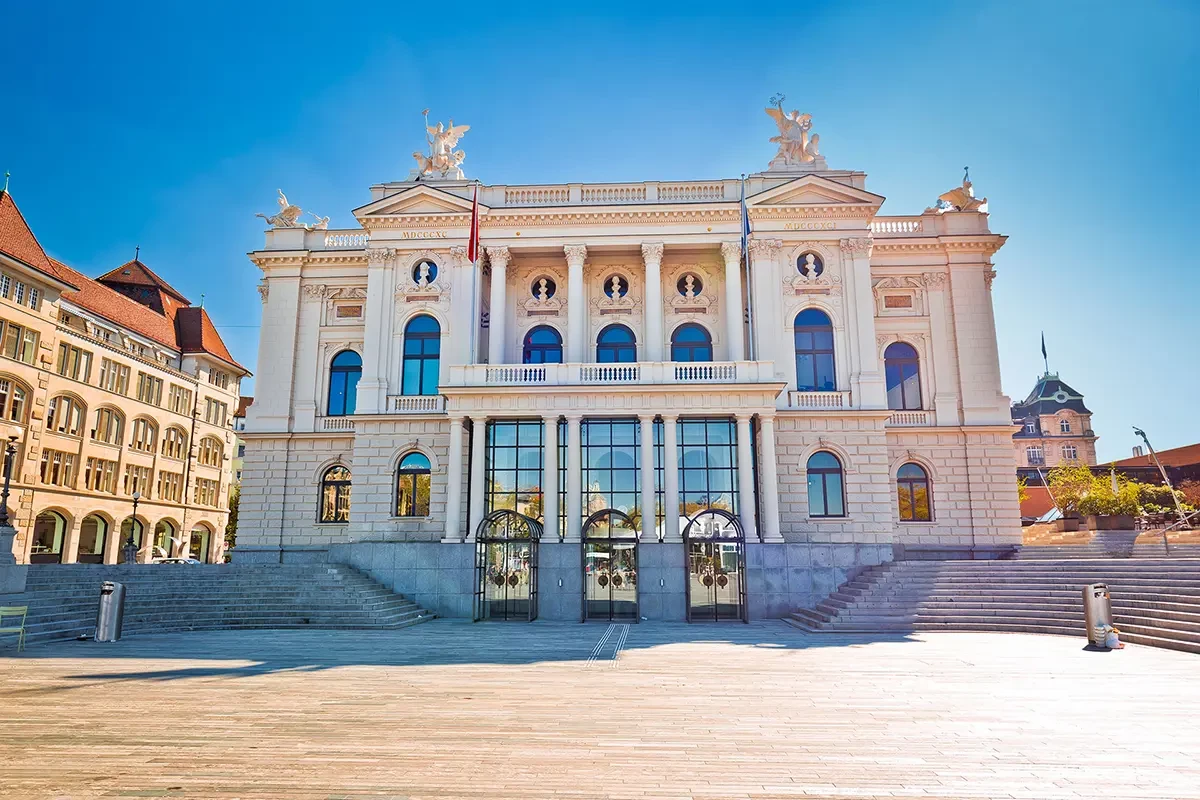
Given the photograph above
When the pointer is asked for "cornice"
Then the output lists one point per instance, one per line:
(837, 211)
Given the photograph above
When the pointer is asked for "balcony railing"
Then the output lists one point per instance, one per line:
(645, 373)
(336, 424)
(908, 419)
(415, 404)
(818, 400)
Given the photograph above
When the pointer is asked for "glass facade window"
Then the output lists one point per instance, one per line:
(616, 344)
(913, 494)
(903, 373)
(814, 352)
(543, 345)
(412, 486)
(335, 495)
(691, 342)
(344, 372)
(707, 466)
(611, 474)
(422, 351)
(513, 467)
(826, 496)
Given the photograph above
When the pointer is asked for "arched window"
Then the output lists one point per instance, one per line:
(335, 495)
(826, 494)
(109, 426)
(49, 530)
(211, 451)
(93, 537)
(903, 372)
(412, 486)
(144, 435)
(691, 342)
(64, 414)
(616, 345)
(344, 372)
(174, 443)
(543, 345)
(12, 400)
(912, 491)
(164, 540)
(422, 348)
(199, 543)
(814, 352)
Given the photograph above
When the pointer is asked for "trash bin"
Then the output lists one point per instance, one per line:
(1097, 612)
(112, 609)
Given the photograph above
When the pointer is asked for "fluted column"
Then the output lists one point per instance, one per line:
(732, 252)
(550, 478)
(498, 257)
(574, 479)
(649, 512)
(576, 308)
(454, 473)
(745, 477)
(478, 457)
(769, 474)
(671, 532)
(652, 253)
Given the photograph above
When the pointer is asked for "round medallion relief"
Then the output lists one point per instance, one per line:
(689, 285)
(543, 288)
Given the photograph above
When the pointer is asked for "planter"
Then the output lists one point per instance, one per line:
(1065, 524)
(1110, 522)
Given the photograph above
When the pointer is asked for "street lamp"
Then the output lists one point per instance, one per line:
(131, 548)
(10, 450)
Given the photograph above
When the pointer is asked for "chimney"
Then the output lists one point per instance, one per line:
(1137, 451)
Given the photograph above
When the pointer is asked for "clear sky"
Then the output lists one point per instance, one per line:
(170, 124)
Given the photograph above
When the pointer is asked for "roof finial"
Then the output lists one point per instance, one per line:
(966, 175)
(137, 251)
(6, 174)
(202, 301)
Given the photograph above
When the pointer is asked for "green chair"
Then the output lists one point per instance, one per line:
(19, 630)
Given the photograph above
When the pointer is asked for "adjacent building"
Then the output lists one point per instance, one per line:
(117, 395)
(1055, 427)
(618, 411)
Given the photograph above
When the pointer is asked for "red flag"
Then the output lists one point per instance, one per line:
(473, 241)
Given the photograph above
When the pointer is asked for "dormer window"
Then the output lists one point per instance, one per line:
(1030, 426)
(1064, 426)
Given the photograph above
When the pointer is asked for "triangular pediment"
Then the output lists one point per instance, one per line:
(813, 190)
(421, 200)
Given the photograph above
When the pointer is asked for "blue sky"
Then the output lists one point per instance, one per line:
(169, 125)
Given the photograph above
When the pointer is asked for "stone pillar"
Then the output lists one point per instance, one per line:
(280, 291)
(550, 478)
(652, 310)
(574, 479)
(732, 252)
(311, 361)
(70, 544)
(372, 387)
(459, 275)
(649, 517)
(576, 310)
(867, 386)
(765, 293)
(671, 532)
(454, 472)
(769, 480)
(745, 477)
(478, 458)
(938, 374)
(12, 574)
(498, 257)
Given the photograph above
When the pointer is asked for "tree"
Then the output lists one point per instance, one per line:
(235, 494)
(1022, 489)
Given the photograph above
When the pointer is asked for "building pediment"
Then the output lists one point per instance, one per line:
(813, 190)
(420, 200)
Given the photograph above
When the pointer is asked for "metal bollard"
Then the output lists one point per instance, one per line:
(111, 612)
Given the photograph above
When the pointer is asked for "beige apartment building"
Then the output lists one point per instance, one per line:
(1055, 427)
(118, 396)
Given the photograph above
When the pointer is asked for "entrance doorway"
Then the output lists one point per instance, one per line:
(610, 544)
(506, 554)
(716, 565)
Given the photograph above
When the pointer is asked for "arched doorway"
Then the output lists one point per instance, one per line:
(506, 555)
(134, 528)
(93, 538)
(49, 531)
(201, 540)
(716, 565)
(610, 541)
(164, 540)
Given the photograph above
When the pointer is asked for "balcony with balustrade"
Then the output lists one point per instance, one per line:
(645, 373)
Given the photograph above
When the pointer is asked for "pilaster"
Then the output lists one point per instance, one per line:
(652, 253)
(745, 474)
(478, 460)
(649, 512)
(454, 473)
(277, 348)
(765, 293)
(671, 532)
(945, 395)
(732, 253)
(308, 401)
(769, 477)
(574, 479)
(372, 387)
(576, 308)
(498, 257)
(550, 478)
(866, 378)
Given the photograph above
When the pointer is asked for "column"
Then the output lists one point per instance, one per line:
(550, 478)
(498, 257)
(671, 532)
(765, 293)
(652, 253)
(576, 310)
(454, 471)
(769, 475)
(745, 477)
(70, 544)
(649, 515)
(732, 252)
(280, 292)
(478, 457)
(574, 479)
(311, 361)
(372, 387)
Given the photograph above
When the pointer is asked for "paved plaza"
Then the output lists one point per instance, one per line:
(451, 709)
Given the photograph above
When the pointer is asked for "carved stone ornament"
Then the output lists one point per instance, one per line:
(348, 293)
(765, 248)
(543, 294)
(796, 148)
(499, 257)
(690, 290)
(263, 290)
(934, 280)
(988, 277)
(731, 251)
(381, 256)
(960, 199)
(442, 161)
(575, 253)
(333, 347)
(458, 254)
(315, 291)
(652, 252)
(622, 300)
(859, 246)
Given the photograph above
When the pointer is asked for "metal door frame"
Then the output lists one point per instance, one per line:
(519, 530)
(585, 538)
(739, 540)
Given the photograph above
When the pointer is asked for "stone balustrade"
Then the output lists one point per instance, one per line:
(415, 404)
(909, 418)
(645, 373)
(818, 400)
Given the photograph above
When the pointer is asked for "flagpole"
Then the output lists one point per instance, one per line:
(473, 251)
(745, 225)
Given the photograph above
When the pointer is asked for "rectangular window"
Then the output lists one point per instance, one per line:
(514, 466)
(19, 343)
(19, 293)
(205, 493)
(114, 377)
(149, 389)
(1035, 455)
(215, 412)
(74, 363)
(100, 475)
(5, 286)
(218, 378)
(179, 399)
(58, 468)
(1070, 453)
(707, 465)
(137, 479)
(611, 460)
(170, 486)
(34, 297)
(1030, 426)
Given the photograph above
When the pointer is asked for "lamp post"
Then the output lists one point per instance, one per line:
(10, 450)
(131, 548)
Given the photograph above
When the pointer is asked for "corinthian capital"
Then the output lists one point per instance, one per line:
(934, 280)
(765, 248)
(380, 256)
(652, 252)
(459, 254)
(576, 253)
(499, 257)
(988, 277)
(731, 251)
(315, 290)
(859, 246)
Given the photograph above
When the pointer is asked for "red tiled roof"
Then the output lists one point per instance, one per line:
(135, 273)
(114, 306)
(1175, 457)
(196, 333)
(243, 406)
(17, 240)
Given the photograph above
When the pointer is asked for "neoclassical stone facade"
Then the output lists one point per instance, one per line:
(838, 395)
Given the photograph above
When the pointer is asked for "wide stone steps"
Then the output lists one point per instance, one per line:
(1155, 601)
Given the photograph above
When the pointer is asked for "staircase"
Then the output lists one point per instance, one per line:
(1155, 601)
(161, 598)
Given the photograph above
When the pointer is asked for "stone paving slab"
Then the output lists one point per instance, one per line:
(645, 712)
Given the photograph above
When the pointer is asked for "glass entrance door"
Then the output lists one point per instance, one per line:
(716, 579)
(610, 542)
(506, 558)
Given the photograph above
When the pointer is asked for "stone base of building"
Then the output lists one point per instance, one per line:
(780, 577)
(953, 552)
